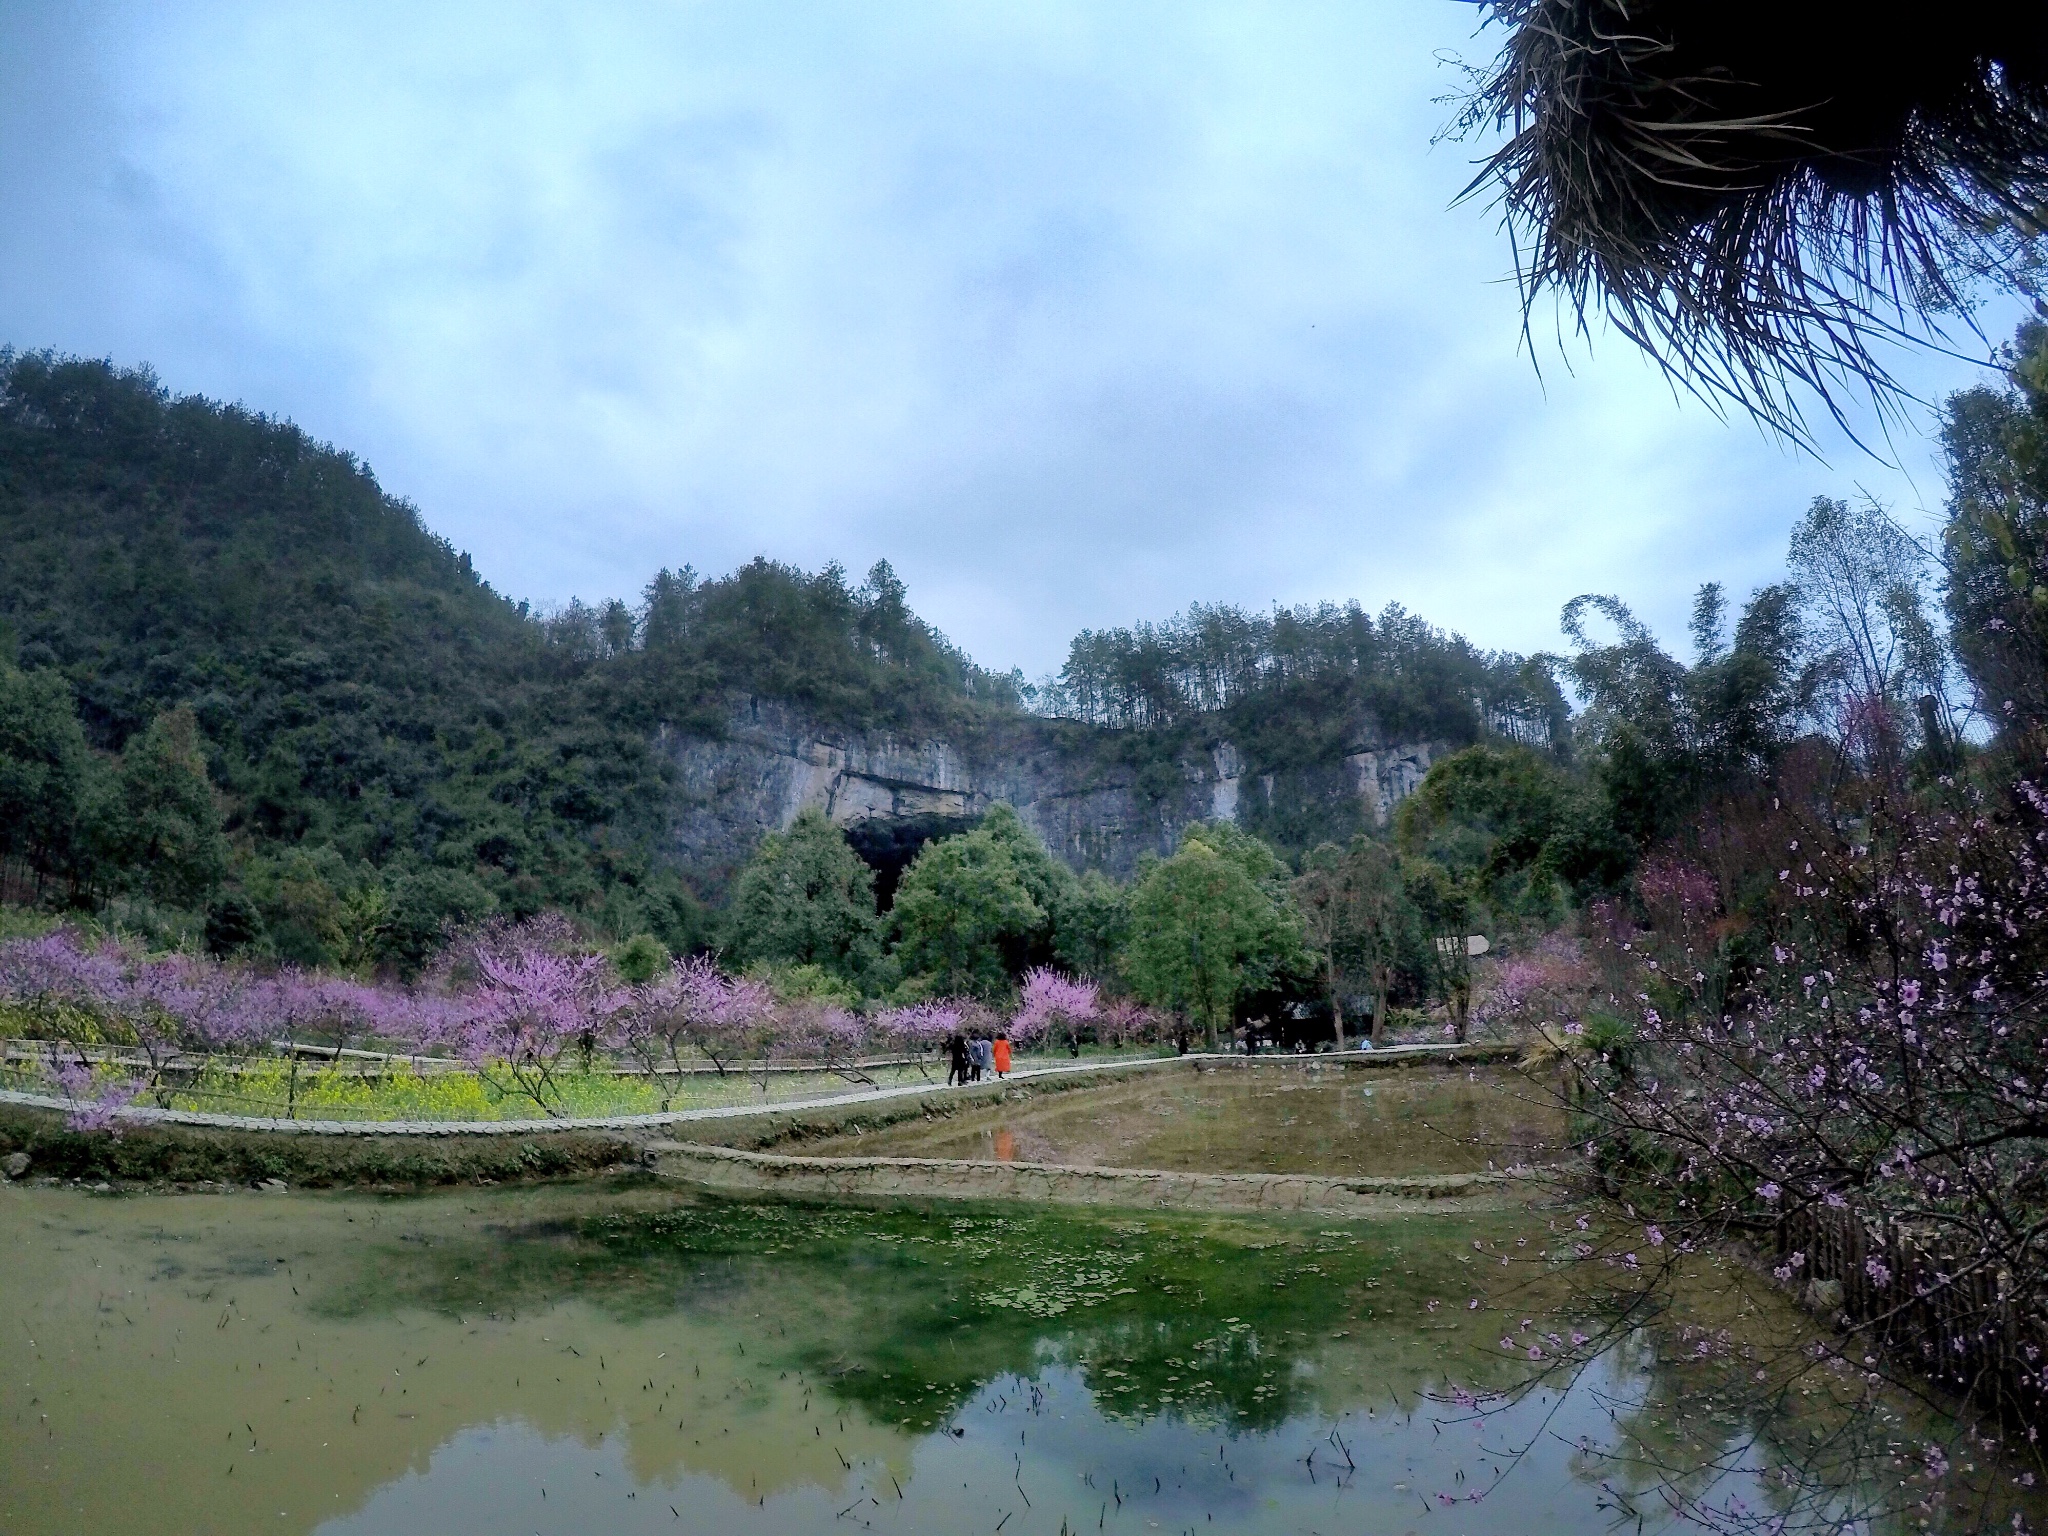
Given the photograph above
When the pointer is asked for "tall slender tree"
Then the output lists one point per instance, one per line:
(1357, 917)
(163, 822)
(48, 778)
(1204, 931)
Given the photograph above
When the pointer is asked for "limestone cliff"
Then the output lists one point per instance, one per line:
(1096, 803)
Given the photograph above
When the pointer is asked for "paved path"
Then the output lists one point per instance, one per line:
(140, 1114)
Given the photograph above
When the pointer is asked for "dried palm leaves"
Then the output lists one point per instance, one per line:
(1758, 193)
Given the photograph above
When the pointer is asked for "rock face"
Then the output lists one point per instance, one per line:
(1091, 803)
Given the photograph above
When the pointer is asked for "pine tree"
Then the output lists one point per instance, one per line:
(48, 777)
(162, 826)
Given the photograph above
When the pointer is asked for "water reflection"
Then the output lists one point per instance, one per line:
(1034, 1455)
(626, 1359)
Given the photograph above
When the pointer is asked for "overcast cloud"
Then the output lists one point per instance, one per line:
(1075, 313)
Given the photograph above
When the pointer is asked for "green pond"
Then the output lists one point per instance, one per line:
(1264, 1119)
(626, 1356)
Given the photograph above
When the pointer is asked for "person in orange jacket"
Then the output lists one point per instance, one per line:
(1002, 1055)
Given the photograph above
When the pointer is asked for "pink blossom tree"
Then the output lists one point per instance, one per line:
(815, 1030)
(458, 968)
(922, 1027)
(1052, 1002)
(1821, 1042)
(691, 1007)
(159, 1006)
(285, 1008)
(57, 987)
(531, 1008)
(51, 980)
(1536, 989)
(95, 1098)
(1126, 1021)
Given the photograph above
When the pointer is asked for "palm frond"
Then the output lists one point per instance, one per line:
(1763, 196)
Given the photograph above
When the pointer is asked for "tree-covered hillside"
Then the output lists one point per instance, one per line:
(1397, 676)
(393, 745)
(382, 727)
(1295, 692)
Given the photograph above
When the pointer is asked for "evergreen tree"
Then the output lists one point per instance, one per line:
(426, 906)
(639, 959)
(806, 899)
(1261, 865)
(965, 916)
(47, 778)
(1997, 536)
(1089, 925)
(1048, 881)
(1357, 917)
(163, 825)
(1204, 931)
(1489, 814)
(1444, 905)
(1320, 896)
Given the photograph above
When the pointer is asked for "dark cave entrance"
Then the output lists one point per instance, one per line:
(887, 844)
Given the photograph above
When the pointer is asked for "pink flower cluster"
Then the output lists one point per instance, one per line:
(925, 1026)
(158, 1005)
(693, 1006)
(517, 1002)
(1051, 1000)
(1840, 1038)
(1546, 984)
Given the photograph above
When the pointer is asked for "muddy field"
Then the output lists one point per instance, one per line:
(1276, 1119)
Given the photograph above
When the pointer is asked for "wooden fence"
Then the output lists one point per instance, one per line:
(1960, 1316)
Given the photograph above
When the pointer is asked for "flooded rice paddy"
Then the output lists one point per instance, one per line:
(627, 1357)
(1268, 1119)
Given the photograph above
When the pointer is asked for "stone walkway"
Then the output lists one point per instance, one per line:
(139, 1114)
(930, 1178)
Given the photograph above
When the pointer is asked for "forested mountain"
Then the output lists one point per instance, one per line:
(1307, 666)
(394, 744)
(361, 692)
(1298, 693)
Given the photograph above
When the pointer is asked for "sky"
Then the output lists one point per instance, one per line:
(1075, 313)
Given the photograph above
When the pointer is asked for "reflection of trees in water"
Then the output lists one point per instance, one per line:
(911, 1312)
(1753, 1434)
(1693, 1440)
(1840, 1432)
(1822, 1449)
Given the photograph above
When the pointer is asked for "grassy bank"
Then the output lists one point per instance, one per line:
(193, 1155)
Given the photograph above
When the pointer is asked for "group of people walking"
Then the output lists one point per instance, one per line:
(970, 1057)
